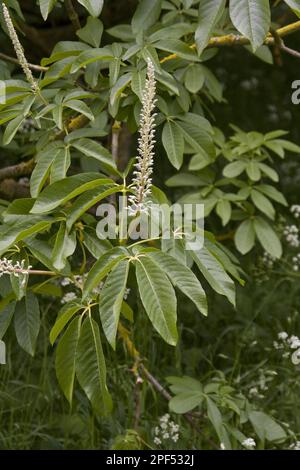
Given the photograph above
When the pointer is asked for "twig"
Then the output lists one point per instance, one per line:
(13, 60)
(153, 381)
(72, 14)
(238, 40)
(25, 168)
(14, 171)
(290, 51)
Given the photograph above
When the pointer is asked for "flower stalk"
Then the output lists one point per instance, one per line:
(142, 180)
(19, 50)
(8, 267)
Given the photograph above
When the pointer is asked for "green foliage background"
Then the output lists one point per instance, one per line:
(219, 360)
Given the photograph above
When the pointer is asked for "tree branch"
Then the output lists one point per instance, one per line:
(13, 60)
(15, 171)
(238, 40)
(72, 14)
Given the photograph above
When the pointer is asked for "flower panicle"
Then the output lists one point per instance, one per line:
(19, 49)
(8, 267)
(142, 180)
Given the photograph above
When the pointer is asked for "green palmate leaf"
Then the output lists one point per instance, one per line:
(215, 417)
(177, 47)
(223, 209)
(198, 162)
(92, 32)
(181, 277)
(6, 316)
(146, 14)
(185, 402)
(27, 322)
(93, 149)
(18, 209)
(214, 273)
(229, 262)
(91, 368)
(101, 268)
(267, 237)
(234, 169)
(42, 251)
(197, 133)
(60, 165)
(89, 56)
(119, 86)
(272, 193)
(64, 316)
(194, 78)
(12, 129)
(253, 170)
(41, 170)
(266, 427)
(173, 143)
(210, 11)
(111, 299)
(184, 384)
(252, 19)
(245, 236)
(62, 191)
(66, 356)
(174, 31)
(285, 144)
(158, 298)
(138, 83)
(22, 230)
(94, 7)
(65, 245)
(87, 200)
(65, 49)
(80, 107)
(268, 171)
(46, 6)
(263, 203)
(94, 245)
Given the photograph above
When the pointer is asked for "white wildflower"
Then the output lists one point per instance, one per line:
(142, 181)
(295, 446)
(249, 443)
(68, 297)
(295, 344)
(283, 335)
(222, 446)
(295, 357)
(295, 210)
(253, 392)
(17, 268)
(268, 260)
(157, 441)
(167, 430)
(291, 234)
(65, 281)
(19, 49)
(126, 293)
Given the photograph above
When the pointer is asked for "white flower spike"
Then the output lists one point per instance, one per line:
(142, 181)
(19, 49)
